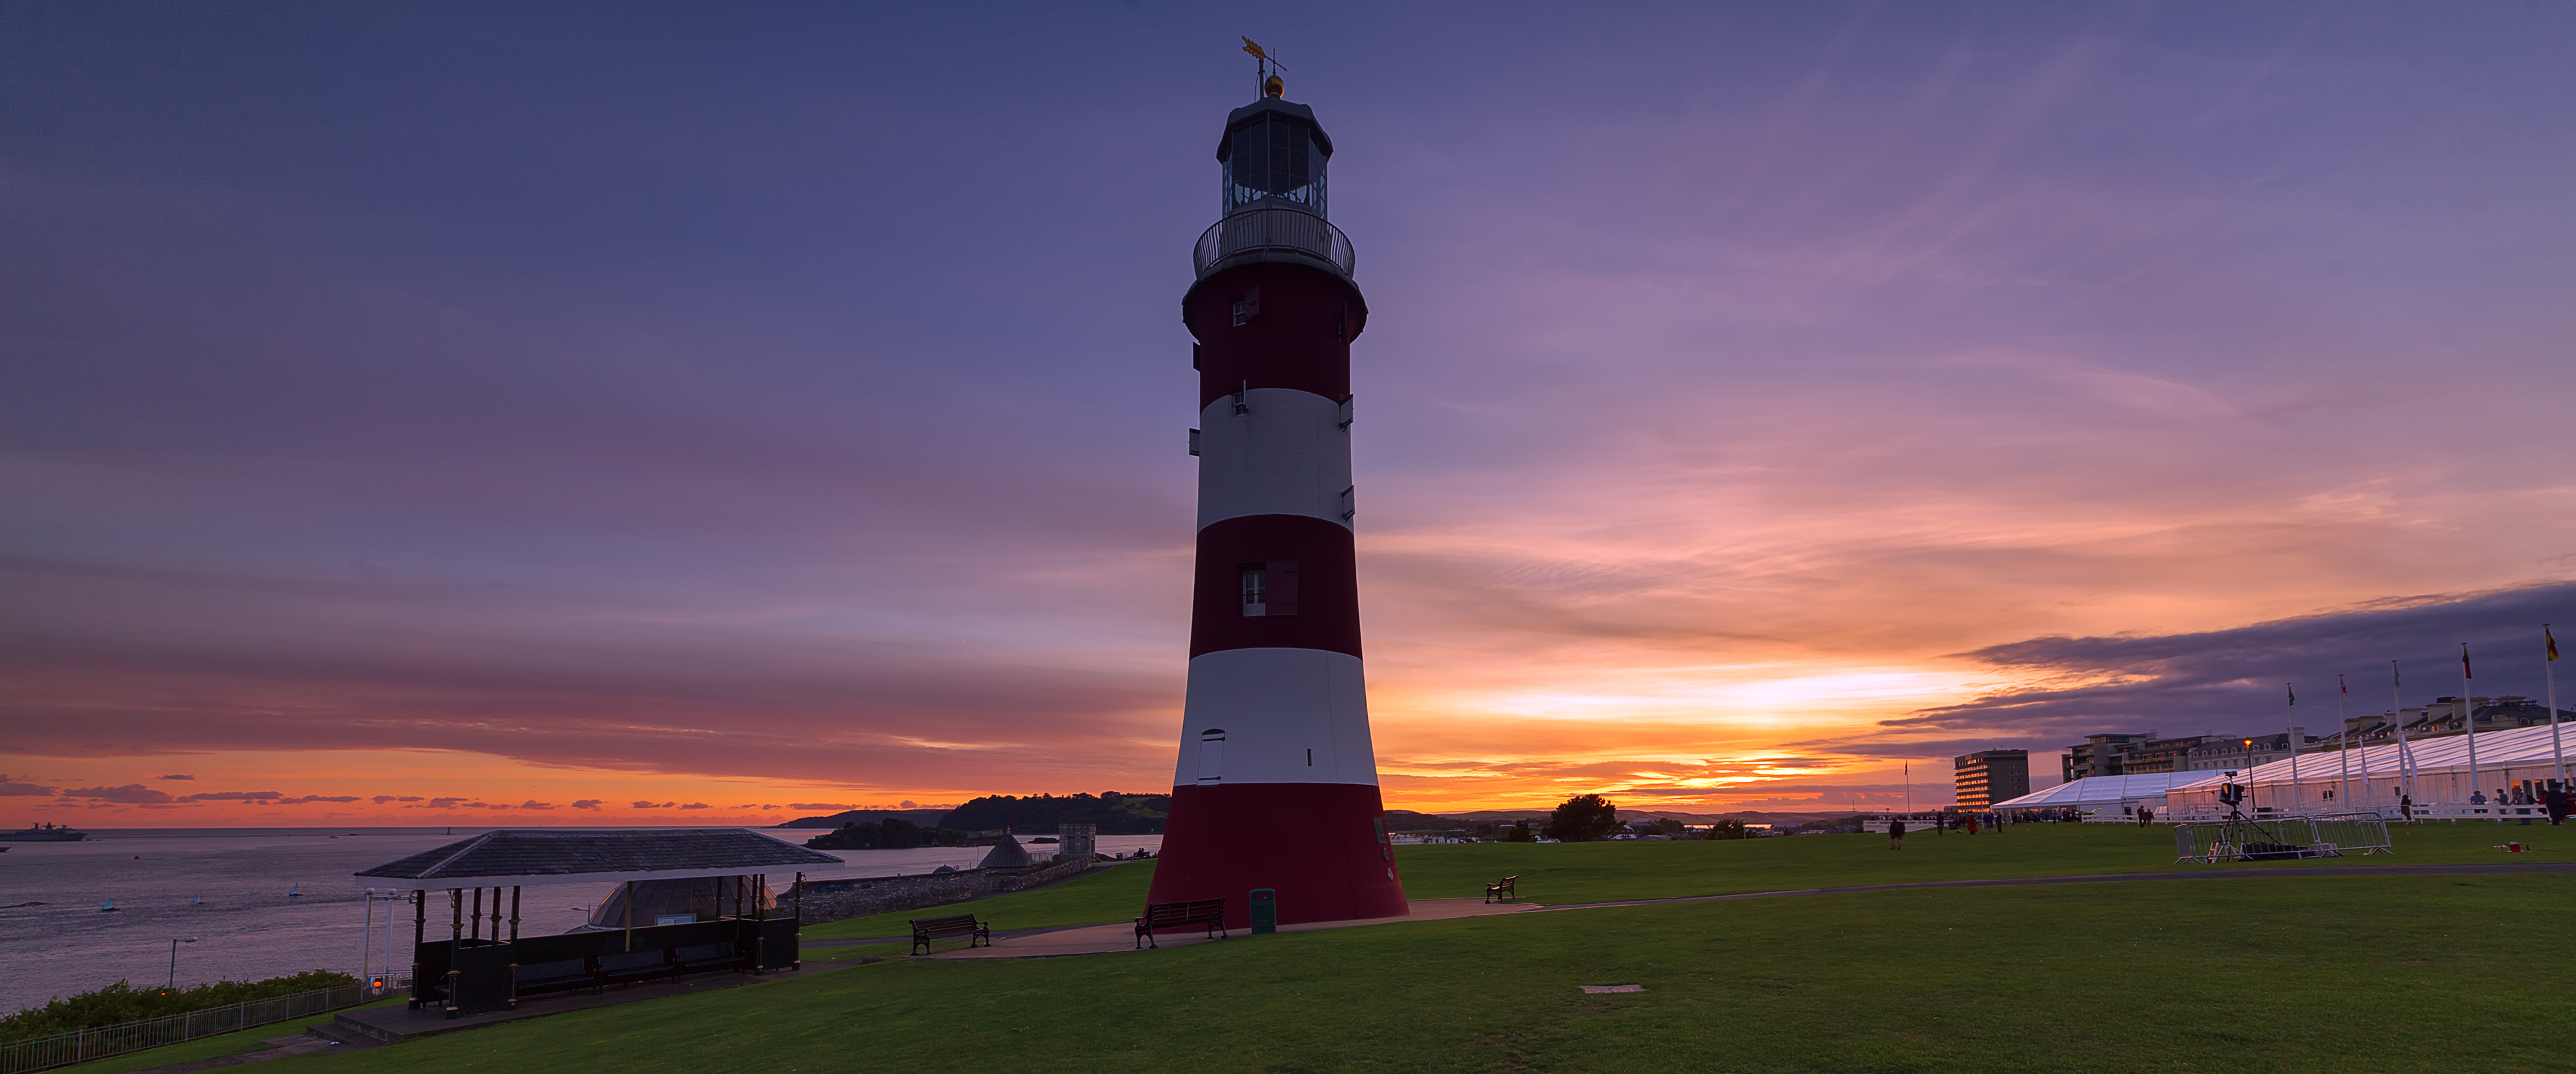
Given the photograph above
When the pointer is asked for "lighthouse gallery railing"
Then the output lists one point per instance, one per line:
(1267, 231)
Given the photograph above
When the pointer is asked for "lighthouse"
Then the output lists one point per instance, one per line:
(1276, 785)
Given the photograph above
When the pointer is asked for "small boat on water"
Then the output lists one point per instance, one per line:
(295, 891)
(43, 833)
(107, 907)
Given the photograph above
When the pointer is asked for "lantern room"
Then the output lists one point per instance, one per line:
(1273, 156)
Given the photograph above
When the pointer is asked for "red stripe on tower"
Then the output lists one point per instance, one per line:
(1276, 784)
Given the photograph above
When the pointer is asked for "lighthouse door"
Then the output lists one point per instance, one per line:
(1212, 755)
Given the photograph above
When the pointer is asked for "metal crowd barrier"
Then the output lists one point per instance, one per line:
(65, 1049)
(2278, 838)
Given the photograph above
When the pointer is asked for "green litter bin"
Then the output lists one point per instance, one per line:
(1265, 911)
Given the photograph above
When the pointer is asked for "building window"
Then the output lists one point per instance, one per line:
(1247, 307)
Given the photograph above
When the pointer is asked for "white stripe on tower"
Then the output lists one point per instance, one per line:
(1289, 454)
(1289, 716)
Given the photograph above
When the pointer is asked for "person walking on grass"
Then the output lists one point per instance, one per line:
(1896, 834)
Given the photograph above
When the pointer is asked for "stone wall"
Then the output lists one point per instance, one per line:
(887, 894)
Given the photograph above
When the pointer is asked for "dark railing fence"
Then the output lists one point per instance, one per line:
(65, 1049)
(1257, 230)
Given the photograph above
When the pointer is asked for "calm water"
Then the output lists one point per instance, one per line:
(246, 926)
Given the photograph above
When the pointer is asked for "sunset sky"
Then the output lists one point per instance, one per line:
(615, 413)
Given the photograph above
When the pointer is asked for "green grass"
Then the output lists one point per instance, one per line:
(1608, 872)
(2385, 974)
(854, 952)
(222, 1044)
(1113, 894)
(1602, 872)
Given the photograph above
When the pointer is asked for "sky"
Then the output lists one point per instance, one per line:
(682, 413)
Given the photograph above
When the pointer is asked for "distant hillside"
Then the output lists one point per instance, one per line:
(1406, 820)
(1038, 814)
(923, 818)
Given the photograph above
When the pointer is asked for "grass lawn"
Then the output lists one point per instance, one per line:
(1609, 872)
(1599, 872)
(222, 1044)
(2439, 973)
(1603, 872)
(1113, 894)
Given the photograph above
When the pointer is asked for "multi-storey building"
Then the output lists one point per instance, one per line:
(2161, 755)
(1992, 776)
(2100, 755)
(2222, 753)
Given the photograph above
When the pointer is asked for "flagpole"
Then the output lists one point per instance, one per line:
(2343, 744)
(2549, 674)
(2469, 718)
(1909, 788)
(2298, 804)
(2397, 715)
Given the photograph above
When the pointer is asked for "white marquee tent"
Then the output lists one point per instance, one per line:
(2100, 792)
(2372, 777)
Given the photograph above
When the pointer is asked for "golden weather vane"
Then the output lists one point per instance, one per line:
(1270, 84)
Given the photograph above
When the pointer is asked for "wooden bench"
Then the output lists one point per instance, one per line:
(1501, 890)
(628, 967)
(929, 930)
(555, 976)
(706, 956)
(1207, 914)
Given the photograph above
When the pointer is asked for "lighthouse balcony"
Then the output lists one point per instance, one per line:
(1273, 233)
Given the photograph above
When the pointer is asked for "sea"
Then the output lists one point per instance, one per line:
(251, 903)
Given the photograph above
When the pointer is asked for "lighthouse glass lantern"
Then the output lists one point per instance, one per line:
(1275, 158)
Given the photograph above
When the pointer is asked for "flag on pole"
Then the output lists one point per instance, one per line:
(2340, 686)
(2464, 661)
(2294, 693)
(2552, 639)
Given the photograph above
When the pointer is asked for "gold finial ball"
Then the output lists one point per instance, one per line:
(1274, 87)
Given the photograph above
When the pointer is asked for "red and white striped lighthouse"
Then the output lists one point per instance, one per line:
(1277, 782)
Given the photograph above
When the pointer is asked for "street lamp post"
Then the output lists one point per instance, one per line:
(175, 941)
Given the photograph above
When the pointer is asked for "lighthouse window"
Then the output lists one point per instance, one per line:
(1212, 755)
(1270, 588)
(1256, 590)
